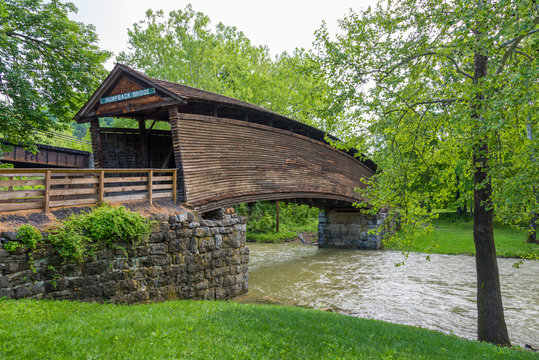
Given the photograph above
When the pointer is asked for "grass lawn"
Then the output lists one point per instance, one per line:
(455, 236)
(217, 330)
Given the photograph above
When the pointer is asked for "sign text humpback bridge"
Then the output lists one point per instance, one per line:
(227, 151)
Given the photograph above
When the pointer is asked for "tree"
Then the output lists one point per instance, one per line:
(427, 87)
(48, 66)
(184, 49)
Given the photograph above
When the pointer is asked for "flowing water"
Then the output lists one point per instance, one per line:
(439, 294)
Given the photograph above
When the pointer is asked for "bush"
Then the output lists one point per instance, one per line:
(27, 235)
(104, 227)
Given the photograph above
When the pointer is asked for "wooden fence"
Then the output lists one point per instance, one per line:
(22, 189)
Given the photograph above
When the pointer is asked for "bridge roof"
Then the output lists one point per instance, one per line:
(189, 100)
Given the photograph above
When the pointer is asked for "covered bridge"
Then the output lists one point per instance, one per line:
(226, 151)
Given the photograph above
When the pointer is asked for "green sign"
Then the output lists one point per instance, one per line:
(127, 96)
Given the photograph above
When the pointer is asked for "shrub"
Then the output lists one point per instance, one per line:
(27, 235)
(103, 227)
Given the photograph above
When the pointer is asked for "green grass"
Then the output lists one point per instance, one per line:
(217, 330)
(453, 235)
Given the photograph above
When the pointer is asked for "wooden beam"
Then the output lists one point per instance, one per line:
(47, 191)
(150, 186)
(101, 186)
(174, 119)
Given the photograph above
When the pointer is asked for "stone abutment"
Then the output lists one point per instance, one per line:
(185, 257)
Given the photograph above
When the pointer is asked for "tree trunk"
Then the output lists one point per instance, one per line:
(532, 235)
(490, 317)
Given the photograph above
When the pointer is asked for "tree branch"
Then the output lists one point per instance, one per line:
(458, 68)
(514, 43)
(523, 54)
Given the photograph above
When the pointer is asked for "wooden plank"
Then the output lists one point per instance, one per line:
(150, 186)
(22, 182)
(112, 189)
(86, 201)
(160, 195)
(109, 180)
(69, 191)
(3, 173)
(101, 186)
(46, 200)
(74, 181)
(20, 194)
(175, 187)
(22, 206)
(120, 198)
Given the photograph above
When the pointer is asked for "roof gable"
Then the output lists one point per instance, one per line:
(126, 92)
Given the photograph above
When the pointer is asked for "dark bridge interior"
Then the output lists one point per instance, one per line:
(227, 151)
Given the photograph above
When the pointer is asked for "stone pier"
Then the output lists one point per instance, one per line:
(349, 228)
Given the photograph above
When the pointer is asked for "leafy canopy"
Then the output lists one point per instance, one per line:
(184, 49)
(48, 65)
(402, 77)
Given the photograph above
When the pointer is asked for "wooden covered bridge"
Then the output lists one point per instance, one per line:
(226, 151)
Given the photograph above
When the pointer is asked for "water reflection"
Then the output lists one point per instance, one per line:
(437, 294)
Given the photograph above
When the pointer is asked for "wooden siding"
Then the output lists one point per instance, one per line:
(228, 161)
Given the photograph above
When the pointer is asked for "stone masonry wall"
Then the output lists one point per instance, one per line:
(349, 229)
(184, 258)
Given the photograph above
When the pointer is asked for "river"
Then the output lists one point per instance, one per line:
(439, 294)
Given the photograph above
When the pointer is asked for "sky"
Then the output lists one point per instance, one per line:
(281, 25)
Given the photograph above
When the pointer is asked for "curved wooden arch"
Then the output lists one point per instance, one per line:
(228, 161)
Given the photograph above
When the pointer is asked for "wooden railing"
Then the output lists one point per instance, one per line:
(22, 189)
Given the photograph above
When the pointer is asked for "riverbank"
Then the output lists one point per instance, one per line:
(453, 235)
(219, 330)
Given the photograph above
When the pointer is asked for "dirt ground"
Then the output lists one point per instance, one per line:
(13, 219)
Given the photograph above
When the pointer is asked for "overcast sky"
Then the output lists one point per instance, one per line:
(281, 25)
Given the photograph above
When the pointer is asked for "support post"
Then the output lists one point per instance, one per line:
(175, 186)
(46, 196)
(150, 186)
(174, 119)
(101, 185)
(96, 143)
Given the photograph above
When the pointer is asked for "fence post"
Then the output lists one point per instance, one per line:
(150, 186)
(102, 186)
(47, 191)
(174, 186)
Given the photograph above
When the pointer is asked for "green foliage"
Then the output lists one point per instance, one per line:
(218, 330)
(12, 246)
(49, 65)
(404, 72)
(103, 227)
(224, 60)
(261, 224)
(27, 236)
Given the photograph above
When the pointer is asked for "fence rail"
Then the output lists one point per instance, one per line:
(23, 189)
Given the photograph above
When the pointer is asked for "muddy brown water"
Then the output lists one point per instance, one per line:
(439, 294)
